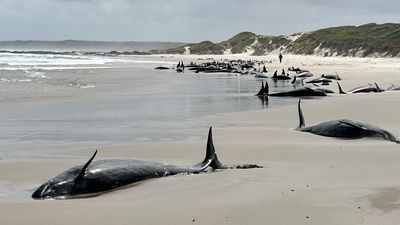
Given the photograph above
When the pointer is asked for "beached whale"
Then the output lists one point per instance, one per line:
(331, 76)
(304, 91)
(344, 128)
(319, 80)
(327, 91)
(101, 176)
(394, 88)
(261, 75)
(162, 68)
(280, 77)
(363, 89)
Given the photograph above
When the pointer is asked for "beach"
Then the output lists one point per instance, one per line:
(305, 179)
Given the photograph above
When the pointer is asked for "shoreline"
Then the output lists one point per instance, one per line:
(304, 175)
(306, 179)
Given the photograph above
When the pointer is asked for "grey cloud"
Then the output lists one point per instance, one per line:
(181, 20)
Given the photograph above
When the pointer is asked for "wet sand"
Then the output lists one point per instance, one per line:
(306, 179)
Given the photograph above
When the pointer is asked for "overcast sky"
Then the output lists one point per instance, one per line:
(181, 20)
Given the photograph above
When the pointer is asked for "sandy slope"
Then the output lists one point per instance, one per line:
(306, 179)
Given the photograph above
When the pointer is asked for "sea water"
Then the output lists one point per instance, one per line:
(29, 126)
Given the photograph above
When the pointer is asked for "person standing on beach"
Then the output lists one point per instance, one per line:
(280, 58)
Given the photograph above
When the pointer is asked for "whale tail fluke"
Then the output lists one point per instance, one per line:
(340, 89)
(301, 117)
(390, 137)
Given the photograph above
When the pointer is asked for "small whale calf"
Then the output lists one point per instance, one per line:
(344, 128)
(97, 177)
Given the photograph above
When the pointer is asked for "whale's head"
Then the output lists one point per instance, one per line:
(55, 189)
(66, 185)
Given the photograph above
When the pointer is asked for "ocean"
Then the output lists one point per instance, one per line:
(50, 102)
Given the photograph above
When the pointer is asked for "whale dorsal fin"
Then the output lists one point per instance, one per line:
(340, 89)
(211, 157)
(266, 88)
(301, 117)
(262, 90)
(378, 88)
(83, 170)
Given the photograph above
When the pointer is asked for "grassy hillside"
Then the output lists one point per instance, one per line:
(367, 40)
(240, 42)
(268, 44)
(237, 44)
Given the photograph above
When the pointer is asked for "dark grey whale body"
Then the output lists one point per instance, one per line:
(280, 77)
(100, 176)
(331, 76)
(304, 91)
(394, 88)
(161, 68)
(363, 89)
(345, 128)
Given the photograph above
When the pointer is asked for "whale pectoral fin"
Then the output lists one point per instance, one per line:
(83, 170)
(354, 125)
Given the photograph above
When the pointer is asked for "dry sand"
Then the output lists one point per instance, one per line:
(306, 179)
